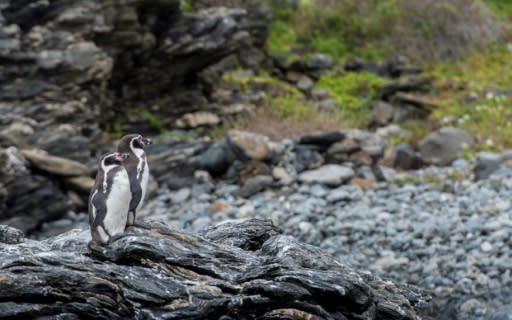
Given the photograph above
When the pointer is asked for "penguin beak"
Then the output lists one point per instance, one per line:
(124, 156)
(146, 141)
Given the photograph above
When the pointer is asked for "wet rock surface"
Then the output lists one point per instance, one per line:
(244, 270)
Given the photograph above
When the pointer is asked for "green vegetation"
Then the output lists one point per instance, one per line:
(352, 91)
(502, 8)
(471, 89)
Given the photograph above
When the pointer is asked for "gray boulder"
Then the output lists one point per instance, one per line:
(444, 145)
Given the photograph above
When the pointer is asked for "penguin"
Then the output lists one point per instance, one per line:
(109, 198)
(138, 171)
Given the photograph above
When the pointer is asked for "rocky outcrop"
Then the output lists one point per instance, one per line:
(69, 69)
(244, 270)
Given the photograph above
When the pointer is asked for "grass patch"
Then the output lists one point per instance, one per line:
(502, 8)
(352, 91)
(477, 91)
(377, 29)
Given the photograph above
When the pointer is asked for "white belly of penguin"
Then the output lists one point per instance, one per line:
(118, 204)
(144, 184)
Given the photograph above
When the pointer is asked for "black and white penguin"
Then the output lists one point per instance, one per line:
(110, 198)
(138, 171)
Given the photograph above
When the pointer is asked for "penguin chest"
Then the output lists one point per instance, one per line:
(118, 203)
(144, 183)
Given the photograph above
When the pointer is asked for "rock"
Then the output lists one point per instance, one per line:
(322, 139)
(54, 165)
(234, 268)
(444, 145)
(305, 83)
(255, 185)
(418, 101)
(314, 66)
(340, 151)
(198, 119)
(337, 195)
(250, 169)
(27, 199)
(306, 158)
(486, 164)
(381, 115)
(282, 176)
(10, 235)
(406, 158)
(81, 183)
(330, 174)
(252, 145)
(404, 83)
(360, 158)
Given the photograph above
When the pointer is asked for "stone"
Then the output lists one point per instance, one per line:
(422, 102)
(10, 235)
(282, 176)
(444, 145)
(381, 115)
(406, 158)
(253, 145)
(404, 83)
(306, 158)
(80, 183)
(54, 165)
(323, 139)
(486, 163)
(337, 195)
(198, 119)
(330, 174)
(346, 146)
(305, 83)
(255, 185)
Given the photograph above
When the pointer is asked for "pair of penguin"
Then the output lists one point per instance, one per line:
(119, 189)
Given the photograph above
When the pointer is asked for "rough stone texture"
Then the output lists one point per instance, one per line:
(330, 174)
(444, 145)
(237, 271)
(70, 68)
(27, 199)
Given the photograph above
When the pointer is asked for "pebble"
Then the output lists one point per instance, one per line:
(451, 237)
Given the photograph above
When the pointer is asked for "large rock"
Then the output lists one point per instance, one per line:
(235, 271)
(240, 146)
(444, 145)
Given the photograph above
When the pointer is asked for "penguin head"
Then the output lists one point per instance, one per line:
(113, 159)
(133, 141)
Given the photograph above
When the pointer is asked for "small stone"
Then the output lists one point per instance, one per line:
(255, 185)
(330, 174)
(180, 196)
(337, 195)
(198, 119)
(305, 83)
(10, 235)
(486, 246)
(486, 164)
(282, 176)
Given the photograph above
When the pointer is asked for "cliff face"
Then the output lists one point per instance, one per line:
(69, 69)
